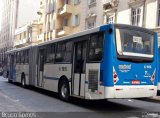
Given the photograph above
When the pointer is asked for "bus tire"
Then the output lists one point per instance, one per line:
(63, 91)
(23, 81)
(9, 81)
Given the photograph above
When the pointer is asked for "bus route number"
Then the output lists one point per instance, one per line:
(147, 67)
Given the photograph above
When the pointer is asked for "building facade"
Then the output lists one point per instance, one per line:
(60, 17)
(8, 25)
(92, 14)
(15, 13)
(26, 35)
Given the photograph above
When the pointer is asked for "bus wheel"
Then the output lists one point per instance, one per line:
(63, 91)
(9, 81)
(23, 81)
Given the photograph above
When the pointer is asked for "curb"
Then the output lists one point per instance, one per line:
(157, 100)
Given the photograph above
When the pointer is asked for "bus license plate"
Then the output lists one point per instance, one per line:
(135, 82)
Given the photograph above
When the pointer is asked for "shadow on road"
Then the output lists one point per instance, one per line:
(95, 105)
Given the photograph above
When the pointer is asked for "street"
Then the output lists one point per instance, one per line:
(14, 98)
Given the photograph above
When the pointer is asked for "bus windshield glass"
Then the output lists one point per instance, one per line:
(133, 43)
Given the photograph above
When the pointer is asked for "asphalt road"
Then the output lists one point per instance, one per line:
(14, 98)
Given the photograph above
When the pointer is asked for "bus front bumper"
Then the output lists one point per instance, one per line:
(130, 91)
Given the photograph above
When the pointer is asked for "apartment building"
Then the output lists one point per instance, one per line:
(68, 17)
(27, 35)
(143, 13)
(15, 13)
(28, 23)
(41, 21)
(60, 17)
(92, 14)
(8, 25)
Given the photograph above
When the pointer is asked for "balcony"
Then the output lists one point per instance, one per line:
(40, 37)
(133, 2)
(65, 10)
(109, 4)
(21, 42)
(65, 30)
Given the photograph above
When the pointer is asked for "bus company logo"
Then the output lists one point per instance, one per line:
(125, 67)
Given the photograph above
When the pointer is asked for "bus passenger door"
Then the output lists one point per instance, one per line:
(41, 60)
(79, 64)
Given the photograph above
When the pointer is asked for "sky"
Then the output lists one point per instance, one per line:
(28, 7)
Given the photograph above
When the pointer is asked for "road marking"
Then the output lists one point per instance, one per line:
(129, 100)
(7, 97)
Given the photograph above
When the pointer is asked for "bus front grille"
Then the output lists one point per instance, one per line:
(93, 80)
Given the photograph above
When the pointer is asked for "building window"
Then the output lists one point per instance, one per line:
(158, 12)
(91, 23)
(65, 22)
(20, 36)
(136, 16)
(24, 34)
(76, 2)
(109, 19)
(51, 6)
(40, 31)
(76, 20)
(66, 1)
(49, 24)
(52, 24)
(90, 2)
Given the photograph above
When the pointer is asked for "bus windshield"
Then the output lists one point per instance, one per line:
(133, 43)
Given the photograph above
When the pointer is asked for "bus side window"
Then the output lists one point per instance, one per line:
(27, 56)
(17, 57)
(64, 52)
(50, 53)
(22, 57)
(96, 47)
(68, 52)
(59, 50)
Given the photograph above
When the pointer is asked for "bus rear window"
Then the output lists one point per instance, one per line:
(96, 47)
(134, 43)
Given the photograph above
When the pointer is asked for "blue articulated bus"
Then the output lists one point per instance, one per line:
(110, 61)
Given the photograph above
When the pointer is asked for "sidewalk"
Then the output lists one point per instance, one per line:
(155, 98)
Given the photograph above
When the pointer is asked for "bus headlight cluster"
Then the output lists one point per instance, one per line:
(115, 76)
(153, 76)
